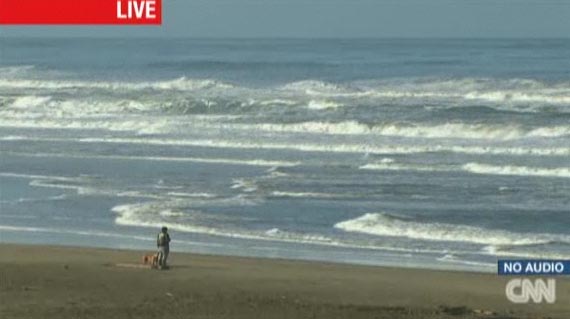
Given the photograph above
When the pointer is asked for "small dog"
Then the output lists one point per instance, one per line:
(151, 260)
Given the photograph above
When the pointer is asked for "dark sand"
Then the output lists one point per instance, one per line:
(57, 282)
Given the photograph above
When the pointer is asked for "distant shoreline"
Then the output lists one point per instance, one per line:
(72, 282)
(389, 263)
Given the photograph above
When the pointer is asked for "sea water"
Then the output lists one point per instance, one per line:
(420, 153)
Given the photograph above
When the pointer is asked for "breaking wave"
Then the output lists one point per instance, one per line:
(510, 91)
(476, 168)
(413, 130)
(182, 84)
(305, 194)
(502, 93)
(219, 123)
(517, 170)
(344, 148)
(313, 147)
(391, 166)
(16, 70)
(382, 224)
(512, 95)
(156, 214)
(227, 161)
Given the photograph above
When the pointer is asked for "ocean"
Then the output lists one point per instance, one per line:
(442, 153)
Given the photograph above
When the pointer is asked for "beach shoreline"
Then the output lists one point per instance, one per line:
(76, 282)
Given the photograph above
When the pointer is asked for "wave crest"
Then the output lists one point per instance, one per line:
(412, 130)
(478, 168)
(382, 224)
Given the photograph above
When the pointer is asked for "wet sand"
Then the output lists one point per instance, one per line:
(66, 282)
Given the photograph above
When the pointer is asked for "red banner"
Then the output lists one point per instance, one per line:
(81, 12)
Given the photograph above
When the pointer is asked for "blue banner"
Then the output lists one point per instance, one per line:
(530, 267)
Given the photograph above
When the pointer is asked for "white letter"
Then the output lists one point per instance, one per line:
(120, 14)
(517, 267)
(510, 291)
(139, 10)
(540, 290)
(548, 268)
(151, 9)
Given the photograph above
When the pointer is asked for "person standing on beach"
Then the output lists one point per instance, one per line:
(163, 243)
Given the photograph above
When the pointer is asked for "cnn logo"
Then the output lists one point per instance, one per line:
(523, 290)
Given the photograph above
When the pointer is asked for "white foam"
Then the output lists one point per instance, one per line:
(171, 213)
(182, 84)
(40, 177)
(304, 194)
(137, 125)
(514, 95)
(391, 166)
(192, 195)
(323, 105)
(95, 116)
(382, 224)
(332, 148)
(511, 94)
(15, 70)
(151, 215)
(502, 93)
(71, 232)
(30, 101)
(339, 148)
(299, 238)
(517, 170)
(315, 87)
(51, 184)
(449, 258)
(252, 162)
(410, 130)
(506, 251)
(245, 185)
(81, 186)
(119, 193)
(13, 138)
(476, 168)
(100, 116)
(156, 214)
(273, 102)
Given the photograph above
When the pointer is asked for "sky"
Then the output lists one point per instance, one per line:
(339, 19)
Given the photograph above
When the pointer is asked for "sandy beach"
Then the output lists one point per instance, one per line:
(65, 282)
